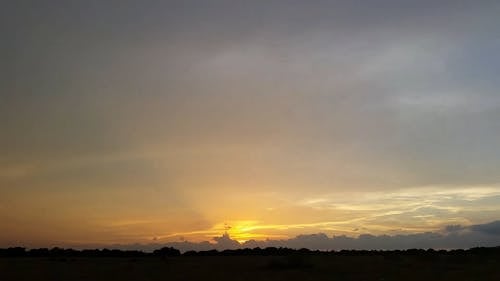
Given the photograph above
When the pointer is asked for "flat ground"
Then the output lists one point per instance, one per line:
(252, 268)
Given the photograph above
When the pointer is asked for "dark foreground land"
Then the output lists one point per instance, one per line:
(423, 265)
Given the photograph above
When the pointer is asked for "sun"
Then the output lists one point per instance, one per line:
(244, 230)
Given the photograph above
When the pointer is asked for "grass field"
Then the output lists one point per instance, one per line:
(252, 268)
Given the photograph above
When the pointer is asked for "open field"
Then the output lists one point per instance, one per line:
(295, 267)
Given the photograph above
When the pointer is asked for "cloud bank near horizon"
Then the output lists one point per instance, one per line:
(450, 237)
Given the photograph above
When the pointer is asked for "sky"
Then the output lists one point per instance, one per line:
(126, 122)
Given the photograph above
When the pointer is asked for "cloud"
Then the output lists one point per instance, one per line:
(492, 228)
(453, 228)
(451, 237)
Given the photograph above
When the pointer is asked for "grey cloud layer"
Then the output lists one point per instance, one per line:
(404, 85)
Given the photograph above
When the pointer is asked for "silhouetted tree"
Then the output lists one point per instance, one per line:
(167, 252)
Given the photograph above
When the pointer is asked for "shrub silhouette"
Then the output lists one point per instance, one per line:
(459, 254)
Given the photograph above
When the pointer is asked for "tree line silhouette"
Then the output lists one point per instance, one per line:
(269, 251)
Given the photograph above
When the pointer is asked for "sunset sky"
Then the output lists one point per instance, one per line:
(156, 121)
